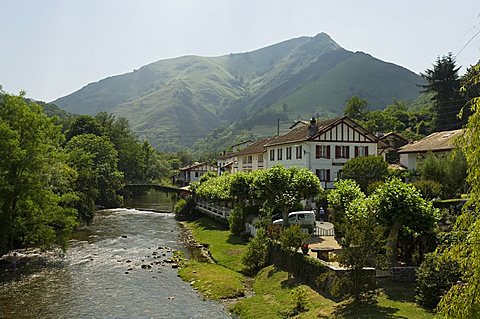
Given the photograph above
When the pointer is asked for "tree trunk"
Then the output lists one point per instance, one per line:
(285, 217)
(392, 244)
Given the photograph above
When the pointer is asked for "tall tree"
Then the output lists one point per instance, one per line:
(356, 108)
(400, 205)
(35, 196)
(95, 159)
(443, 81)
(463, 299)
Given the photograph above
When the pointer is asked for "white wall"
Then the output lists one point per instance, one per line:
(310, 161)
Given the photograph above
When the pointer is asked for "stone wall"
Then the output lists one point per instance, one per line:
(404, 273)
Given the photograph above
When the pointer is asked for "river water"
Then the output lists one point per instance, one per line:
(101, 275)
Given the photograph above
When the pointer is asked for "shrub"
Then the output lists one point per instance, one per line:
(435, 276)
(292, 237)
(373, 186)
(257, 252)
(183, 207)
(429, 189)
(365, 170)
(299, 296)
(236, 220)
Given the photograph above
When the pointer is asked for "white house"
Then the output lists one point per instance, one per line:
(227, 162)
(440, 143)
(252, 157)
(192, 173)
(322, 147)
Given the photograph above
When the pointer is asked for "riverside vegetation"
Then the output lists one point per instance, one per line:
(55, 172)
(274, 293)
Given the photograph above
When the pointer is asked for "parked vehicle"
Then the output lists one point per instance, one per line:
(306, 219)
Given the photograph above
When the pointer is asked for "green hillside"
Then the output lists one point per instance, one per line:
(175, 102)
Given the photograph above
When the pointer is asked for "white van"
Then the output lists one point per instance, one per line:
(306, 219)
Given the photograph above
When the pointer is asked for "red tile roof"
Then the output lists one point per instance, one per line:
(256, 147)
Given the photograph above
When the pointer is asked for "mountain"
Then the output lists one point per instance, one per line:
(175, 102)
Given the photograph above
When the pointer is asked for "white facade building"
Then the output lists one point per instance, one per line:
(321, 147)
(192, 173)
(440, 143)
(252, 157)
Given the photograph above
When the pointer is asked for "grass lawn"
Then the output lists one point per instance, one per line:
(273, 289)
(273, 299)
(213, 281)
(226, 248)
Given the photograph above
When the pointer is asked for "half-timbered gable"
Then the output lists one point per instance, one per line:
(323, 147)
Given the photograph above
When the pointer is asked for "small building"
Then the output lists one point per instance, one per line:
(388, 146)
(440, 143)
(323, 147)
(193, 172)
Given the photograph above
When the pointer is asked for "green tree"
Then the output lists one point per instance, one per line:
(84, 124)
(35, 196)
(450, 171)
(355, 108)
(362, 247)
(283, 188)
(444, 82)
(256, 254)
(339, 198)
(95, 159)
(463, 299)
(365, 170)
(400, 205)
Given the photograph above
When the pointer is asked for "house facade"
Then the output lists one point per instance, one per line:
(321, 147)
(252, 157)
(192, 173)
(440, 143)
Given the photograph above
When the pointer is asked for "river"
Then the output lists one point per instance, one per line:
(101, 274)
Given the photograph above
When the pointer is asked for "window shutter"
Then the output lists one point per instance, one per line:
(348, 152)
(317, 172)
(328, 151)
(337, 151)
(328, 175)
(317, 151)
(366, 150)
(356, 151)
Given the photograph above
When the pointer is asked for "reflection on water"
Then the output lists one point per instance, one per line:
(155, 200)
(113, 269)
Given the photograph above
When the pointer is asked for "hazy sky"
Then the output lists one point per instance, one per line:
(51, 48)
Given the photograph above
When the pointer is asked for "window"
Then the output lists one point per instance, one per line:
(279, 154)
(322, 151)
(361, 151)
(196, 174)
(248, 159)
(272, 155)
(289, 153)
(342, 151)
(323, 175)
(298, 152)
(301, 217)
(260, 158)
(292, 218)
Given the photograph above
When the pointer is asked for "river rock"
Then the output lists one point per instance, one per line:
(124, 236)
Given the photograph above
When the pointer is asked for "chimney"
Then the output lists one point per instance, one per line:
(312, 128)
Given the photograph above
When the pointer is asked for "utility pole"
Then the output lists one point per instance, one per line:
(278, 127)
